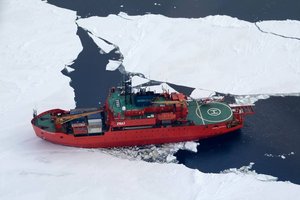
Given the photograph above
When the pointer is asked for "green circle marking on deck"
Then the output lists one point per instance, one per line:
(214, 112)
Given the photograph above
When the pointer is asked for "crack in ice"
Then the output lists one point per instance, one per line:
(283, 36)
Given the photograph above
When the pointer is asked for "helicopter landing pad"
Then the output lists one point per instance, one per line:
(209, 113)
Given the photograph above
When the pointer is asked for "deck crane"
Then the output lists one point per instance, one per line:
(64, 119)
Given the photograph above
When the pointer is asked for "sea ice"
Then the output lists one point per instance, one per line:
(286, 28)
(217, 53)
(36, 41)
(105, 47)
(113, 65)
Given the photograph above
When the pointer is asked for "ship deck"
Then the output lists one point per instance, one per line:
(45, 123)
(210, 113)
(200, 114)
(117, 107)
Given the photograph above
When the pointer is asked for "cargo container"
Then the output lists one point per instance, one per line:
(79, 128)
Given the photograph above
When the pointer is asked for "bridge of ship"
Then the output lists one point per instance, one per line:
(116, 102)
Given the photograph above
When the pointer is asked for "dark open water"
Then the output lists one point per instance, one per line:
(270, 135)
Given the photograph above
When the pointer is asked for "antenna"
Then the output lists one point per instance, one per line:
(128, 89)
(34, 113)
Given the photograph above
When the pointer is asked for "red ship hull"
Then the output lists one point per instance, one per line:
(135, 137)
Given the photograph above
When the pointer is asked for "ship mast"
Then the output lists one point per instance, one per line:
(128, 89)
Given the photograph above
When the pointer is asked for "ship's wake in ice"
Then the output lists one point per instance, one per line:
(152, 153)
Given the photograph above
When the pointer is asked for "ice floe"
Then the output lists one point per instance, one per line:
(217, 53)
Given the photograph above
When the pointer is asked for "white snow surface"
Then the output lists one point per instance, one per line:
(36, 41)
(200, 93)
(287, 28)
(217, 53)
(113, 65)
(164, 87)
(191, 146)
(136, 80)
(105, 47)
(69, 69)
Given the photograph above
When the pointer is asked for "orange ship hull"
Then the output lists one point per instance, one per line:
(135, 137)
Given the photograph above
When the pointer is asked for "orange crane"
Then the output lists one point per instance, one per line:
(66, 118)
